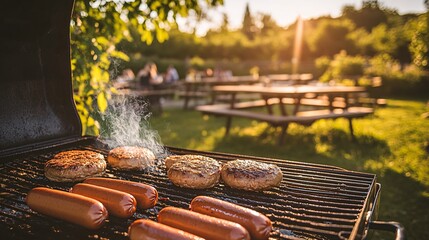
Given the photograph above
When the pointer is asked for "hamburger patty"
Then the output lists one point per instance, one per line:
(170, 160)
(251, 175)
(195, 173)
(75, 165)
(131, 157)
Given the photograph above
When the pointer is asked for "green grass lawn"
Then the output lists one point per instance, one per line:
(391, 144)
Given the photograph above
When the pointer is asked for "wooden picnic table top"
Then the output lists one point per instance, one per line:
(304, 77)
(216, 81)
(279, 90)
(145, 92)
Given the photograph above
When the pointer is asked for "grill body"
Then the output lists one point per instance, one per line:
(35, 75)
(312, 202)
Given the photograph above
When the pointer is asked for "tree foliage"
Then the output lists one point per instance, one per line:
(225, 23)
(341, 66)
(400, 37)
(418, 32)
(248, 27)
(268, 24)
(330, 37)
(369, 16)
(98, 26)
(322, 36)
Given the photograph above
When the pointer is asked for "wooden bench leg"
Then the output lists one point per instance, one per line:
(228, 125)
(351, 130)
(185, 105)
(282, 134)
(265, 133)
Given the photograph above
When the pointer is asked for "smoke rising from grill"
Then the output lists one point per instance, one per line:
(125, 123)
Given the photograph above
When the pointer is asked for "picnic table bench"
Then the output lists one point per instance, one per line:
(284, 96)
(305, 118)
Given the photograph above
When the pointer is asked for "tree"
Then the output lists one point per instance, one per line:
(225, 23)
(248, 27)
(330, 37)
(369, 16)
(363, 41)
(268, 24)
(418, 32)
(98, 26)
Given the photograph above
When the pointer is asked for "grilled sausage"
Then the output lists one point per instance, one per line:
(119, 204)
(258, 225)
(144, 229)
(74, 208)
(202, 225)
(146, 196)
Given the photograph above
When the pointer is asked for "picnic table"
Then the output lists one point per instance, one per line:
(202, 88)
(291, 79)
(152, 96)
(335, 104)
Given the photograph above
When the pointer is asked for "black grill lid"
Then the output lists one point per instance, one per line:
(36, 100)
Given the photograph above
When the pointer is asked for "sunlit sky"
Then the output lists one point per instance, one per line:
(285, 12)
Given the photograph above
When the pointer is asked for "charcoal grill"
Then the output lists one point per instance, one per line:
(38, 119)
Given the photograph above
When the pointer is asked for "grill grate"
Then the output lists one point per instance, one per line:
(313, 201)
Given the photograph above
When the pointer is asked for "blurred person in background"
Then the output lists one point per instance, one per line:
(171, 76)
(190, 76)
(208, 72)
(149, 78)
(125, 79)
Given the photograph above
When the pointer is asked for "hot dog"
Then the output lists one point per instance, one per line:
(258, 225)
(146, 195)
(74, 208)
(144, 229)
(202, 225)
(119, 204)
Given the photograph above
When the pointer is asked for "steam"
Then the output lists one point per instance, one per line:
(125, 123)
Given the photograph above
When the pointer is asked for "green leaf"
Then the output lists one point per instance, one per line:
(96, 29)
(90, 122)
(155, 5)
(161, 35)
(147, 37)
(120, 55)
(102, 102)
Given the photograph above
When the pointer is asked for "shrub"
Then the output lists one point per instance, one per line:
(398, 80)
(342, 67)
(322, 64)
